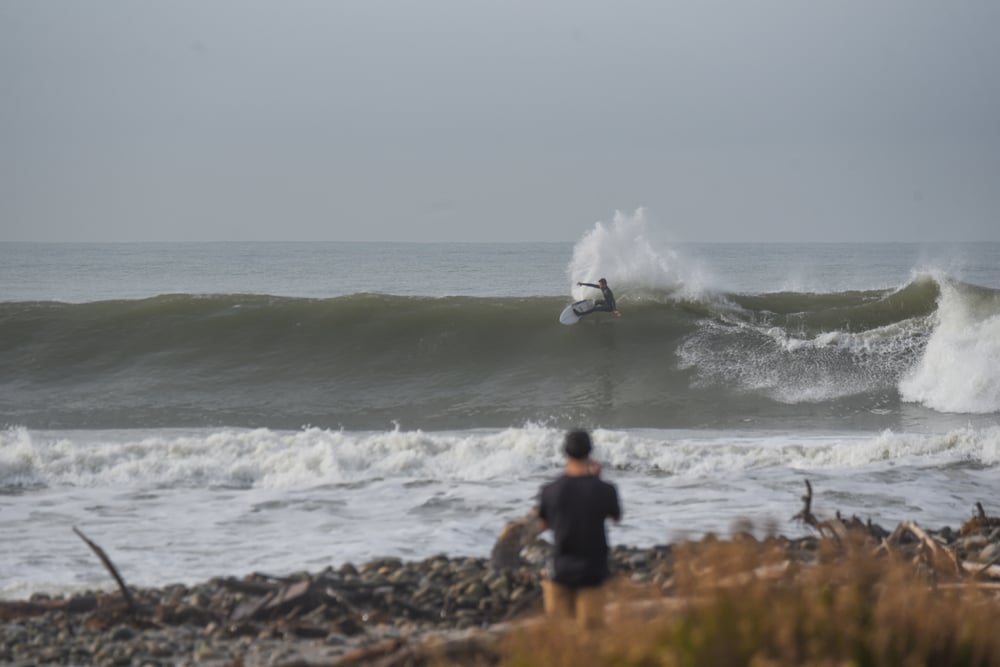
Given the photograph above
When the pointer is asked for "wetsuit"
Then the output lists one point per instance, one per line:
(607, 304)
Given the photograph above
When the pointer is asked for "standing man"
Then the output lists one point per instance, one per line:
(607, 304)
(575, 506)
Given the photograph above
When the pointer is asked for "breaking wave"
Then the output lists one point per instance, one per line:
(232, 458)
(368, 360)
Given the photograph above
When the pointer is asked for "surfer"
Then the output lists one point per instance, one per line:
(607, 304)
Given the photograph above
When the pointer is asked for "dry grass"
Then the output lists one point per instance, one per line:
(744, 603)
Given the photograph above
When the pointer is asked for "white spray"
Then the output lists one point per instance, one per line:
(960, 369)
(624, 253)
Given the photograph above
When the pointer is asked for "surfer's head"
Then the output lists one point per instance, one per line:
(577, 445)
(602, 282)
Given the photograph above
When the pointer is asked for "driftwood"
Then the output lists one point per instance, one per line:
(979, 522)
(939, 557)
(806, 516)
(15, 609)
(387, 651)
(834, 528)
(987, 568)
(516, 535)
(480, 647)
(113, 570)
(934, 554)
(302, 595)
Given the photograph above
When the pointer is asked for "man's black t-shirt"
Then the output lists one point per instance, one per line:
(576, 508)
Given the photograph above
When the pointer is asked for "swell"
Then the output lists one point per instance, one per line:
(367, 360)
(280, 335)
(850, 311)
(359, 361)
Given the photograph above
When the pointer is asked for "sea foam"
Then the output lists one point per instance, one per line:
(263, 458)
(960, 368)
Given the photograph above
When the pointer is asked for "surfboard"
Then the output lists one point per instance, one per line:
(572, 313)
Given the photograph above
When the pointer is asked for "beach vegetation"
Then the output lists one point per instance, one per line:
(743, 602)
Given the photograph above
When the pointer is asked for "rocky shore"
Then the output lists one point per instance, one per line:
(381, 611)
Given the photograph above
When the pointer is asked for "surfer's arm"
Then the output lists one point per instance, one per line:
(589, 285)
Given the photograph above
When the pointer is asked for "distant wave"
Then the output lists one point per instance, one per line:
(368, 360)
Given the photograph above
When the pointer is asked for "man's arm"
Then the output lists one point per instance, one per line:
(614, 508)
(589, 285)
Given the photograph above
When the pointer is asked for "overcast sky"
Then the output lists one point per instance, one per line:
(500, 120)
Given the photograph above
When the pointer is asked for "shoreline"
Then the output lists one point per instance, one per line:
(355, 614)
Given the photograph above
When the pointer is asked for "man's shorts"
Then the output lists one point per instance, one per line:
(583, 603)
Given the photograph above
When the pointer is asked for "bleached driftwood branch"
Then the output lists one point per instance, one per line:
(112, 569)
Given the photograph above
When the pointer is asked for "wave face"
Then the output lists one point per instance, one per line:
(367, 361)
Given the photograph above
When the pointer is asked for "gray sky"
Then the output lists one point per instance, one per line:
(502, 120)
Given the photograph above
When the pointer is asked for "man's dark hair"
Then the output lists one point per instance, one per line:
(577, 444)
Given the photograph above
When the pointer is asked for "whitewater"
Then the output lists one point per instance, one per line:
(214, 409)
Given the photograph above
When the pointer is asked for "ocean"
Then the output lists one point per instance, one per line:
(224, 408)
